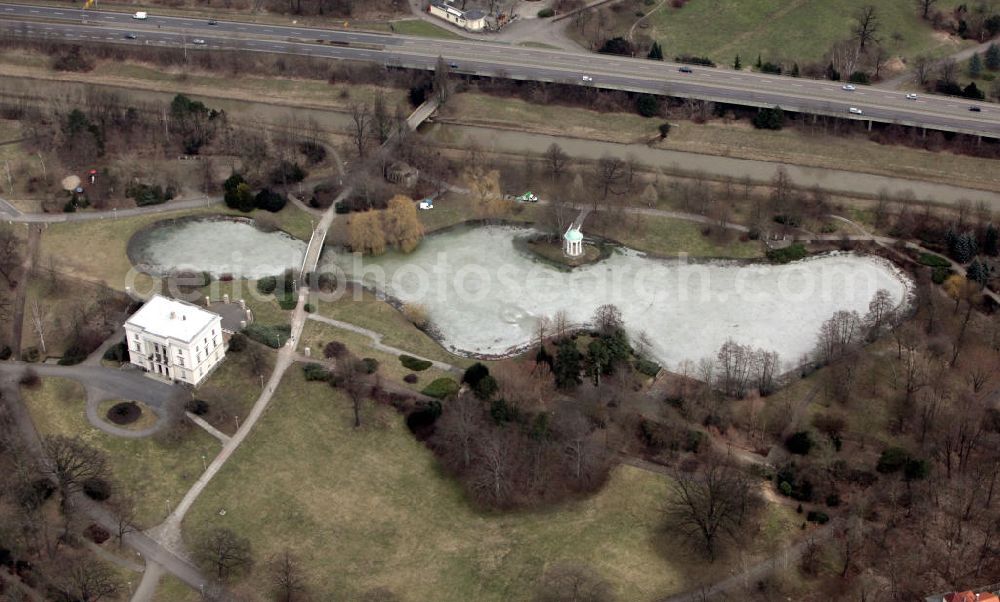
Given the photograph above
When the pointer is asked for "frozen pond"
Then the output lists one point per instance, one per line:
(484, 296)
(215, 245)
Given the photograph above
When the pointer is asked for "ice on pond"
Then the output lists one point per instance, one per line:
(217, 246)
(484, 295)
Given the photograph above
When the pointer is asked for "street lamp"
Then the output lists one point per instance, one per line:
(204, 464)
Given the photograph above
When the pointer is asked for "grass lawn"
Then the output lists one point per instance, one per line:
(172, 589)
(154, 472)
(371, 313)
(317, 334)
(232, 388)
(736, 139)
(419, 27)
(373, 504)
(668, 237)
(106, 241)
(786, 30)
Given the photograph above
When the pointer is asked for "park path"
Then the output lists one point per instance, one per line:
(377, 344)
(21, 296)
(11, 214)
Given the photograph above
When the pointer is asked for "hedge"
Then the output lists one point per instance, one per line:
(647, 367)
(272, 336)
(934, 261)
(441, 388)
(288, 301)
(414, 363)
(789, 254)
(315, 372)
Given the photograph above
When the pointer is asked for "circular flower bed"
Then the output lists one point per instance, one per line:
(125, 412)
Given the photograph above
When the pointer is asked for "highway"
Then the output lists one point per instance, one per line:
(502, 60)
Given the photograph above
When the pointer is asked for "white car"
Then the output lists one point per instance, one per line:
(855, 111)
(426, 204)
(587, 78)
(198, 41)
(911, 96)
(141, 15)
(848, 87)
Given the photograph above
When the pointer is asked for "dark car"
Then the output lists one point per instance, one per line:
(213, 22)
(453, 65)
(130, 36)
(686, 70)
(975, 109)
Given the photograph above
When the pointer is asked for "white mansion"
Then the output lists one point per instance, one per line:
(175, 340)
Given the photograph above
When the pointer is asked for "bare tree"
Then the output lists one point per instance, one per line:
(361, 120)
(568, 582)
(460, 425)
(925, 7)
(442, 73)
(494, 467)
(123, 513)
(709, 506)
(10, 254)
(556, 159)
(69, 461)
(838, 335)
(38, 322)
(84, 579)
(610, 172)
(880, 311)
(286, 576)
(381, 122)
(608, 319)
(350, 375)
(922, 67)
(560, 324)
(224, 551)
(866, 26)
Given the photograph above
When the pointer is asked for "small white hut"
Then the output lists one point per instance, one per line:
(573, 242)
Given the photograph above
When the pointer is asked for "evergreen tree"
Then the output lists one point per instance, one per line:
(965, 247)
(598, 360)
(972, 91)
(975, 65)
(831, 73)
(656, 52)
(978, 272)
(993, 57)
(737, 64)
(759, 63)
(567, 365)
(795, 70)
(991, 238)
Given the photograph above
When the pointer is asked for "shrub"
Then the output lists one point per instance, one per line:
(71, 60)
(859, 77)
(287, 172)
(793, 252)
(31, 354)
(799, 443)
(309, 308)
(416, 364)
(616, 45)
(125, 412)
(664, 129)
(916, 469)
(314, 372)
(410, 378)
(369, 365)
(268, 200)
(486, 388)
(833, 500)
(769, 119)
(287, 300)
(198, 407)
(475, 373)
(648, 105)
(891, 460)
(334, 349)
(5, 352)
(939, 275)
(96, 533)
(30, 379)
(267, 284)
(545, 13)
(272, 336)
(313, 152)
(73, 355)
(769, 67)
(117, 352)
(441, 388)
(501, 411)
(97, 489)
(237, 343)
(815, 516)
(647, 367)
(704, 61)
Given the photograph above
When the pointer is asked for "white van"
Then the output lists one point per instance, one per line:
(854, 111)
(141, 15)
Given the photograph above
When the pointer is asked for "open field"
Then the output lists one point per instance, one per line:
(372, 503)
(155, 472)
(801, 30)
(172, 589)
(736, 139)
(666, 236)
(233, 387)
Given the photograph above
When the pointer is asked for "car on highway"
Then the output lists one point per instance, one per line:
(587, 78)
(975, 109)
(527, 197)
(686, 70)
(213, 22)
(141, 15)
(855, 111)
(911, 96)
(848, 87)
(453, 65)
(198, 41)
(130, 36)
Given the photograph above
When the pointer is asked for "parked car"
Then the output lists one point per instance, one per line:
(686, 70)
(527, 197)
(911, 96)
(426, 204)
(848, 87)
(855, 111)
